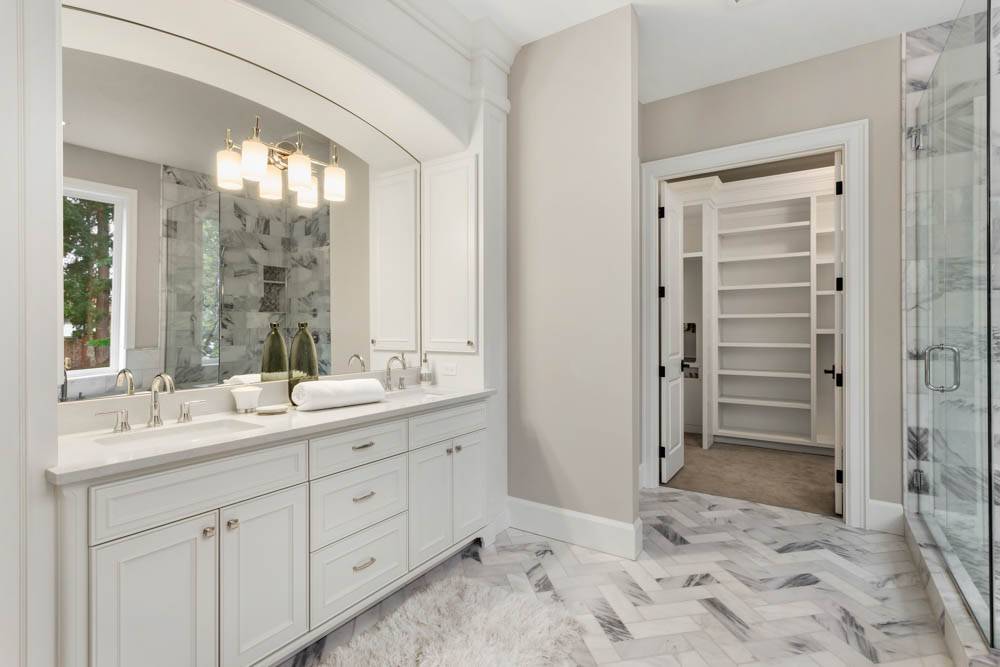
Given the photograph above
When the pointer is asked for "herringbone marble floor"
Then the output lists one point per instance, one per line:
(720, 582)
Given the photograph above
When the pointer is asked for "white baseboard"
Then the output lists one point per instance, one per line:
(497, 525)
(617, 538)
(885, 516)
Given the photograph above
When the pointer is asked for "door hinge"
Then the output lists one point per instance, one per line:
(663, 292)
(663, 371)
(663, 452)
(840, 187)
(840, 284)
(661, 212)
(916, 137)
(840, 379)
(840, 475)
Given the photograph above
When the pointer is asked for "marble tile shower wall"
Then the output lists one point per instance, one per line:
(274, 266)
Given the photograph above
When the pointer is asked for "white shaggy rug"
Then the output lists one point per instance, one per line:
(460, 621)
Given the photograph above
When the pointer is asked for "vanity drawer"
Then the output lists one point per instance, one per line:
(350, 570)
(126, 507)
(444, 424)
(345, 503)
(350, 449)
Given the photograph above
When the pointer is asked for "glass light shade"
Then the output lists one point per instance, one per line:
(299, 172)
(270, 185)
(254, 160)
(309, 198)
(227, 170)
(334, 183)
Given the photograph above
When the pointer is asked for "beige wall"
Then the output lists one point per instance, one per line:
(349, 257)
(862, 82)
(110, 169)
(572, 270)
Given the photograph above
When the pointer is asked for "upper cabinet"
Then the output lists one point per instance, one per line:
(450, 255)
(393, 273)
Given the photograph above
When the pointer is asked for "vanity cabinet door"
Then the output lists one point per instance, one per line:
(430, 501)
(153, 597)
(469, 467)
(450, 254)
(264, 561)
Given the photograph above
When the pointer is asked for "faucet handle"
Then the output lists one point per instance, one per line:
(121, 419)
(185, 412)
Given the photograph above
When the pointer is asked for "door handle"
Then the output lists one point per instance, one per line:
(956, 361)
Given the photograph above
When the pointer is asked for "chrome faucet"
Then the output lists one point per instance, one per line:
(129, 379)
(361, 360)
(388, 371)
(160, 382)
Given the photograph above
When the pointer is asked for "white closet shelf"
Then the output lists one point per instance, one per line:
(693, 255)
(767, 374)
(764, 228)
(826, 332)
(825, 292)
(778, 346)
(823, 260)
(784, 438)
(761, 286)
(765, 402)
(757, 258)
(762, 316)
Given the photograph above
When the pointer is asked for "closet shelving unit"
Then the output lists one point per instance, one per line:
(768, 281)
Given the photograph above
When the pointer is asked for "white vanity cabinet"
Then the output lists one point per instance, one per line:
(263, 567)
(242, 559)
(153, 597)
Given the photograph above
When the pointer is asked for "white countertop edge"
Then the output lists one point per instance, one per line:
(96, 468)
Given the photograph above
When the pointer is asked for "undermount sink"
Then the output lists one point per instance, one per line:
(190, 433)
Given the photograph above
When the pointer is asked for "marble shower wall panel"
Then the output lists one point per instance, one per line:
(275, 266)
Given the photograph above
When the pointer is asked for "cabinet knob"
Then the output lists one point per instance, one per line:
(233, 524)
(449, 451)
(469, 343)
(208, 532)
(458, 448)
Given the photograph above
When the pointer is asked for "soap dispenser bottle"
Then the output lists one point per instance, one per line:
(426, 375)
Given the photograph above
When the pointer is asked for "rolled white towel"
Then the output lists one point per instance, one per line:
(322, 394)
(250, 378)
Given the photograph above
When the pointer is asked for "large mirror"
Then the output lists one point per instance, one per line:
(197, 221)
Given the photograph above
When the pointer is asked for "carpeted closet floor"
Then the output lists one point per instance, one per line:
(773, 477)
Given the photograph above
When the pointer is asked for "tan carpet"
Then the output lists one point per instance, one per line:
(773, 477)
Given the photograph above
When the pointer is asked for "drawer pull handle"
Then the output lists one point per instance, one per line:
(370, 443)
(233, 524)
(365, 564)
(208, 532)
(362, 498)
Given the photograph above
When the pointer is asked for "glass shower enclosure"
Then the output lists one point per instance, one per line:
(947, 307)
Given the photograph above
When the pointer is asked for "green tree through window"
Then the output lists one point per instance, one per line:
(88, 252)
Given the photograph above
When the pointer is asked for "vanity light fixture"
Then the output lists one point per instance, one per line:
(334, 180)
(227, 166)
(256, 160)
(255, 154)
(309, 198)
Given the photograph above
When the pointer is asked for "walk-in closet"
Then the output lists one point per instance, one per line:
(761, 308)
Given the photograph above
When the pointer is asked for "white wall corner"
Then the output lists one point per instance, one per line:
(617, 538)
(885, 517)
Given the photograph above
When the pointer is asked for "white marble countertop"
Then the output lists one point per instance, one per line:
(93, 455)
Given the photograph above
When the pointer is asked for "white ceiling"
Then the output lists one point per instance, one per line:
(685, 45)
(148, 114)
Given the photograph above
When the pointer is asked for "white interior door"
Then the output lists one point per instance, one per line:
(838, 337)
(671, 336)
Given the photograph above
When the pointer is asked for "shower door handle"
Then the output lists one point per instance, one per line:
(956, 360)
